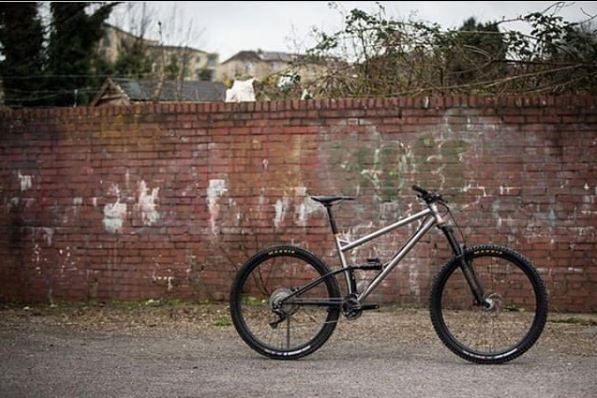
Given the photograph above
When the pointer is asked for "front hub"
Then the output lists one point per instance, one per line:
(493, 303)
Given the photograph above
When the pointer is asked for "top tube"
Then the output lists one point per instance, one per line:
(385, 230)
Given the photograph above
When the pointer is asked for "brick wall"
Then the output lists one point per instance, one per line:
(165, 200)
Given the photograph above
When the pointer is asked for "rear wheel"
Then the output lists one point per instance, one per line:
(512, 319)
(268, 324)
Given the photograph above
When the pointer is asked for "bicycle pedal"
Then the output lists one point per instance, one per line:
(366, 307)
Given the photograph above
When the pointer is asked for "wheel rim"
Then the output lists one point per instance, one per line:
(496, 330)
(266, 285)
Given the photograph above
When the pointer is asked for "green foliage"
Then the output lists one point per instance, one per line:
(59, 65)
(172, 69)
(133, 60)
(477, 51)
(385, 57)
(71, 51)
(21, 37)
(65, 71)
(222, 321)
(373, 55)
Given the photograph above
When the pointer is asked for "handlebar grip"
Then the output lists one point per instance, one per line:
(419, 190)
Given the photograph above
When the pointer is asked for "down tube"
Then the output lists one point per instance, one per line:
(399, 256)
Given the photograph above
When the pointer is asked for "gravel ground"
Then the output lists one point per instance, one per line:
(185, 350)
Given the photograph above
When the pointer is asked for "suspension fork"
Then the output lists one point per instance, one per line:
(465, 266)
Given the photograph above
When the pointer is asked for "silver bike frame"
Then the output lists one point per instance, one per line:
(432, 217)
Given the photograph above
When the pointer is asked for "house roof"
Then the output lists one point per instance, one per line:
(146, 41)
(155, 44)
(159, 47)
(172, 90)
(260, 55)
(276, 56)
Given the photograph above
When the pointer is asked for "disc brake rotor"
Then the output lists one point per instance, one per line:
(495, 301)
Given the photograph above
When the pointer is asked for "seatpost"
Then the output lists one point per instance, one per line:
(331, 218)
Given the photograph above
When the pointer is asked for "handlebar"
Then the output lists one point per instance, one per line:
(428, 196)
(420, 190)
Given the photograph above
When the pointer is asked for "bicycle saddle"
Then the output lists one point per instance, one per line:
(330, 200)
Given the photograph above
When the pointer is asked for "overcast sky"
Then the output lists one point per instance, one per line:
(229, 27)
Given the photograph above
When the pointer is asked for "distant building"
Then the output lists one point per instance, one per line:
(261, 64)
(258, 64)
(114, 40)
(193, 64)
(118, 91)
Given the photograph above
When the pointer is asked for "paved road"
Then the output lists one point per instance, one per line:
(57, 361)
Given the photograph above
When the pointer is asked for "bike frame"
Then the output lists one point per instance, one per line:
(343, 246)
(431, 217)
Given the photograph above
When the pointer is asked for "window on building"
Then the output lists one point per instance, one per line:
(205, 74)
(249, 68)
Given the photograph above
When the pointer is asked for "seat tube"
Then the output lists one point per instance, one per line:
(350, 282)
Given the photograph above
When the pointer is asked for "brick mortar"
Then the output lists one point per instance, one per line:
(428, 102)
(199, 187)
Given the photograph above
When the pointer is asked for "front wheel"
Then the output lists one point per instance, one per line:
(512, 317)
(266, 309)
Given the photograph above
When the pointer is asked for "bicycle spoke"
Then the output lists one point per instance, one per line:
(505, 323)
(288, 332)
(266, 287)
(492, 314)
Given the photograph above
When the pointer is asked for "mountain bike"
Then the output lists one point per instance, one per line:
(487, 304)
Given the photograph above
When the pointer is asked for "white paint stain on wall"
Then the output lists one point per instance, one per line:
(49, 234)
(146, 203)
(413, 279)
(305, 207)
(281, 207)
(114, 213)
(261, 201)
(25, 181)
(505, 190)
(36, 257)
(45, 233)
(161, 279)
(477, 189)
(215, 190)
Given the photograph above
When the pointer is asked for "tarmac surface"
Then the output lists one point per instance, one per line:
(192, 351)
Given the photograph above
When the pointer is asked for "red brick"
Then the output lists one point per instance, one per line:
(516, 173)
